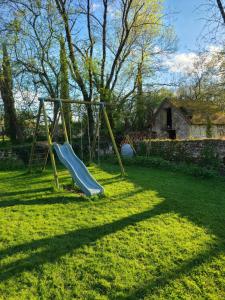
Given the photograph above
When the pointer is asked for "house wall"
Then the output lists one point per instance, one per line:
(183, 128)
(179, 123)
(200, 131)
(219, 131)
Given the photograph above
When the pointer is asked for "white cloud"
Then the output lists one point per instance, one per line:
(181, 63)
(214, 48)
(96, 6)
(186, 62)
(112, 10)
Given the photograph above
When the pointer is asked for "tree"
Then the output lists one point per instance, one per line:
(6, 86)
(105, 46)
(103, 56)
(140, 100)
(221, 9)
(34, 31)
(214, 28)
(204, 80)
(150, 101)
(64, 86)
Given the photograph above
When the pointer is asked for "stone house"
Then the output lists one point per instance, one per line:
(182, 119)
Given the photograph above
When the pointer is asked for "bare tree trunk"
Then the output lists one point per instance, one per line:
(11, 123)
(76, 71)
(90, 120)
(6, 86)
(221, 9)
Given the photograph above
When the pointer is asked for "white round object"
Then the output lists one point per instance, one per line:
(127, 151)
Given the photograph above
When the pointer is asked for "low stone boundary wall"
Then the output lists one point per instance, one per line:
(8, 154)
(205, 151)
(15, 153)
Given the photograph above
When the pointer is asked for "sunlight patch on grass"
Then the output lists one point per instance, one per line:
(155, 235)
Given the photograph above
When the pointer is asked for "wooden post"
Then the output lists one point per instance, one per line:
(113, 139)
(52, 136)
(35, 136)
(50, 146)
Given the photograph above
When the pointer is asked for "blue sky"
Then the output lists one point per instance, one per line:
(188, 17)
(188, 22)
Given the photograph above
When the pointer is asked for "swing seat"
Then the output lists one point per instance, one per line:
(77, 169)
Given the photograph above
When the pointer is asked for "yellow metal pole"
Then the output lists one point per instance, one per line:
(113, 139)
(50, 146)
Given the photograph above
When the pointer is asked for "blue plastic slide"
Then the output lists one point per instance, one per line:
(77, 169)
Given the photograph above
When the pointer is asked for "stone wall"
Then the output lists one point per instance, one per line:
(15, 153)
(204, 151)
(8, 154)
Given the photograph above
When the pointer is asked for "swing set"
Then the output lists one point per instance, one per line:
(65, 153)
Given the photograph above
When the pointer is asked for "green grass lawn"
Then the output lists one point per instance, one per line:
(156, 235)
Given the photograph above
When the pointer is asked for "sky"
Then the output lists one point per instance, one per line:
(187, 17)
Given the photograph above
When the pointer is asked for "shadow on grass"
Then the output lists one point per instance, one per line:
(199, 200)
(59, 245)
(184, 269)
(55, 247)
(205, 208)
(24, 192)
(20, 174)
(31, 177)
(179, 199)
(64, 197)
(44, 201)
(111, 180)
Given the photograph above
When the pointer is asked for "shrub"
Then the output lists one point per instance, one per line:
(181, 151)
(209, 158)
(8, 164)
(14, 157)
(157, 162)
(23, 152)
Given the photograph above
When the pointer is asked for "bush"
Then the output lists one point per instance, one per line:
(209, 158)
(23, 152)
(157, 162)
(181, 151)
(14, 157)
(8, 164)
